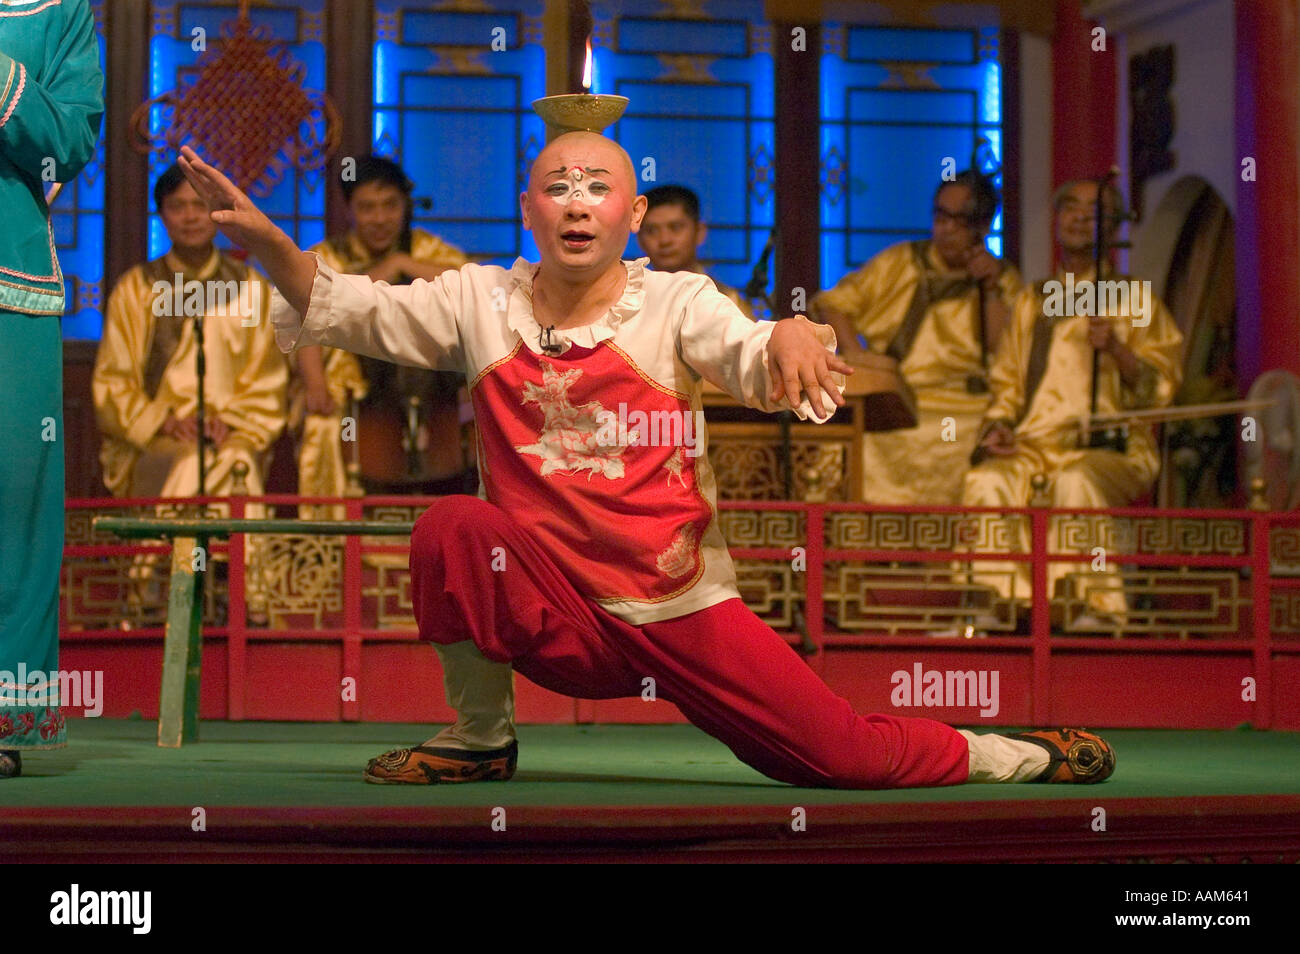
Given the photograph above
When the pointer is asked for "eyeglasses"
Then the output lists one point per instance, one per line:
(941, 215)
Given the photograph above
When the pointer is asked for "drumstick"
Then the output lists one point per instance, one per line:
(53, 193)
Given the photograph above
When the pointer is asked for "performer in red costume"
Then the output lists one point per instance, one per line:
(592, 559)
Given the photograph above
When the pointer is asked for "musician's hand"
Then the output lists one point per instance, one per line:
(1000, 441)
(185, 429)
(852, 351)
(798, 361)
(984, 267)
(218, 430)
(389, 268)
(319, 401)
(232, 211)
(1101, 333)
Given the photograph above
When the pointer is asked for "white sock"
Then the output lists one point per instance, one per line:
(996, 758)
(483, 694)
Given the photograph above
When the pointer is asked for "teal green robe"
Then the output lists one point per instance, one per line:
(51, 103)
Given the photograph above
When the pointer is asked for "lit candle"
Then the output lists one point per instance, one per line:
(586, 69)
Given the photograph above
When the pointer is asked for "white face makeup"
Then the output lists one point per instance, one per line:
(577, 184)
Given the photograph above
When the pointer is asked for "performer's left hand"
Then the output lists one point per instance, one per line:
(798, 361)
(1101, 333)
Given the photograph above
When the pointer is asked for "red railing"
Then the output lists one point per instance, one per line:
(355, 626)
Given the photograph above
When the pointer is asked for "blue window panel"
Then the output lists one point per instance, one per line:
(636, 35)
(901, 168)
(884, 139)
(701, 155)
(465, 93)
(708, 123)
(687, 99)
(991, 94)
(78, 221)
(465, 137)
(925, 46)
(421, 28)
(910, 106)
(297, 201)
(478, 185)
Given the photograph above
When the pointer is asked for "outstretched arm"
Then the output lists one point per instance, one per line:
(290, 269)
(765, 364)
(414, 324)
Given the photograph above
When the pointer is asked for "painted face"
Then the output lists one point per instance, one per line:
(577, 185)
(581, 204)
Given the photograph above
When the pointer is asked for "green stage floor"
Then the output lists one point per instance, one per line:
(117, 763)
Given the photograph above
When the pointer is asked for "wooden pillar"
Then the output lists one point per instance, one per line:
(1268, 225)
(350, 83)
(127, 60)
(1083, 98)
(798, 165)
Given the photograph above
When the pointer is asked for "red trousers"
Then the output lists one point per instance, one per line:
(727, 671)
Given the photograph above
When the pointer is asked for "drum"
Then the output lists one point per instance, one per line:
(415, 432)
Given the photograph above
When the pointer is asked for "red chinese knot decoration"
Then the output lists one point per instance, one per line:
(247, 111)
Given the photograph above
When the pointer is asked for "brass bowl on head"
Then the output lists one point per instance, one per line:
(570, 112)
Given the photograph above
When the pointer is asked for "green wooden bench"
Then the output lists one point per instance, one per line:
(178, 704)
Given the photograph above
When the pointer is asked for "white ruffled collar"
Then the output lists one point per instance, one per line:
(519, 316)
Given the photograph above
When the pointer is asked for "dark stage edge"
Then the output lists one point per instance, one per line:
(277, 792)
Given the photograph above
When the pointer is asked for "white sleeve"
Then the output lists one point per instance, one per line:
(729, 350)
(415, 324)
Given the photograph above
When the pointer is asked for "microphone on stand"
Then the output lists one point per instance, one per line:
(200, 362)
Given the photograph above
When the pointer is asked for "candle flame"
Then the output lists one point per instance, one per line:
(586, 69)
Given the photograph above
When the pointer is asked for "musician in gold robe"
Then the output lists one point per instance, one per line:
(1042, 388)
(382, 244)
(938, 307)
(145, 383)
(672, 233)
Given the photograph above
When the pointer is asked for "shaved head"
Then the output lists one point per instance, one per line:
(581, 206)
(586, 149)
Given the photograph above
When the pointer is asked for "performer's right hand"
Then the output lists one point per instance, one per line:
(233, 212)
(290, 269)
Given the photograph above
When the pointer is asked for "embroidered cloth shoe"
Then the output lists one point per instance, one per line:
(1077, 755)
(438, 765)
